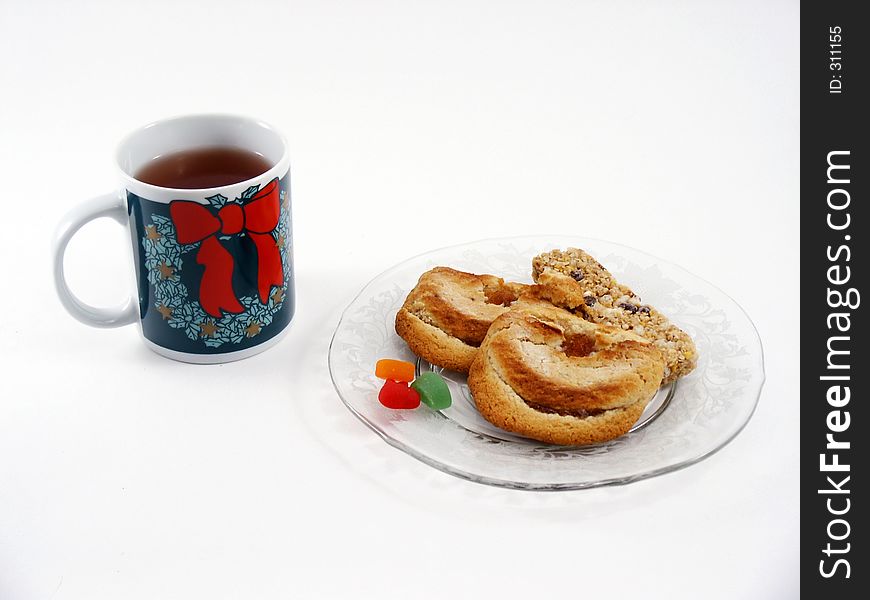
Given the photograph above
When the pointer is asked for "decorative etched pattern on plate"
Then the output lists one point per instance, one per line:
(706, 410)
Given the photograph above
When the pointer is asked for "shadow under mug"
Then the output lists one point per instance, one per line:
(214, 267)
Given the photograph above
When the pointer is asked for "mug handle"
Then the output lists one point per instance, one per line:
(108, 205)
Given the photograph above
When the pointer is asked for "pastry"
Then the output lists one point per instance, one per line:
(548, 374)
(575, 280)
(447, 314)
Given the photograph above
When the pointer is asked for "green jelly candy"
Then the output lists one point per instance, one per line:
(433, 391)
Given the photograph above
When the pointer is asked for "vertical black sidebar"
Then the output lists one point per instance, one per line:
(834, 368)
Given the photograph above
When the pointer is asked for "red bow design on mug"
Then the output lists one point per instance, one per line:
(257, 218)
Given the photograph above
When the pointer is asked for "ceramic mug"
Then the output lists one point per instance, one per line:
(214, 267)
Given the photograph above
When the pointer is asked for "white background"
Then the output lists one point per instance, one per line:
(667, 126)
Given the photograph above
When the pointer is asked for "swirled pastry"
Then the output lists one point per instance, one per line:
(548, 374)
(447, 314)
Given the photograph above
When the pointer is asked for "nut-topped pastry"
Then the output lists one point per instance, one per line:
(447, 314)
(575, 280)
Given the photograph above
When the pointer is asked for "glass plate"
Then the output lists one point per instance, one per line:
(685, 423)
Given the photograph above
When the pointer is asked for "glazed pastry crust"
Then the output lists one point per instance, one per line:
(573, 279)
(446, 316)
(548, 374)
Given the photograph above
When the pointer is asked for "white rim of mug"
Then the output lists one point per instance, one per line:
(150, 191)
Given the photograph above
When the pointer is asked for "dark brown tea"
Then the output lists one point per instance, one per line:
(203, 168)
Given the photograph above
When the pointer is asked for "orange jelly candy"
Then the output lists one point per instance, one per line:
(397, 370)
